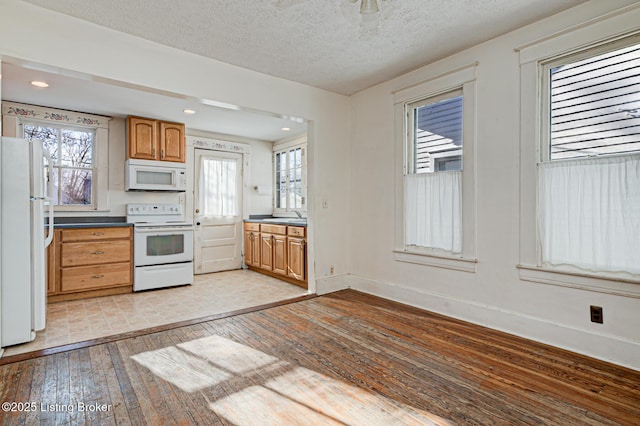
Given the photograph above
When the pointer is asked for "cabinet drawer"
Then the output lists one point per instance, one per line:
(274, 229)
(296, 231)
(77, 254)
(94, 234)
(252, 227)
(90, 277)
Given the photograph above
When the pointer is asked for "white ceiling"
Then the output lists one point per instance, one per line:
(322, 43)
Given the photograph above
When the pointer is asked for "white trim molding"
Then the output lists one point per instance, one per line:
(463, 78)
(332, 283)
(598, 284)
(456, 264)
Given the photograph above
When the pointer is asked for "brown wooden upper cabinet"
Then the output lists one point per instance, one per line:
(151, 139)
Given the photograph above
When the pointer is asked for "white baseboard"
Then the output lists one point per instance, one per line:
(332, 283)
(604, 347)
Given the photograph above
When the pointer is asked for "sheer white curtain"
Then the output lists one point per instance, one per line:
(218, 187)
(589, 213)
(433, 210)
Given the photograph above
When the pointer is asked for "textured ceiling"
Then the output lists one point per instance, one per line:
(322, 43)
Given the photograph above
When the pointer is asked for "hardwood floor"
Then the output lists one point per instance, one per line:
(342, 358)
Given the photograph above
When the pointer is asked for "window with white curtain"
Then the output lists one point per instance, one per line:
(218, 187)
(589, 168)
(433, 178)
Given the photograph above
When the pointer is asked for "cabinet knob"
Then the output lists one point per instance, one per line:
(97, 276)
(97, 252)
(97, 234)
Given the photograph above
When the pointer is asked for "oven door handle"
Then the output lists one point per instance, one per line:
(161, 230)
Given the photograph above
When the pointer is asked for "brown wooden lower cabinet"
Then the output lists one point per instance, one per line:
(88, 262)
(277, 250)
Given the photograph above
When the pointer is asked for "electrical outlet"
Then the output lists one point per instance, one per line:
(596, 314)
(331, 270)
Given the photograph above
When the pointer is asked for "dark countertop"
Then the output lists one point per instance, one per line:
(91, 225)
(274, 221)
(90, 222)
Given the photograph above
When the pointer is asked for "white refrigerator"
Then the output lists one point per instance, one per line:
(23, 283)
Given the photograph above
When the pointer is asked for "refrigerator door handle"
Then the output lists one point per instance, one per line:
(49, 198)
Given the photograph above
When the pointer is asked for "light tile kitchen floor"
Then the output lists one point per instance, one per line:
(210, 294)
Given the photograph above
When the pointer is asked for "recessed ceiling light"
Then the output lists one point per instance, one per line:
(189, 111)
(286, 129)
(37, 83)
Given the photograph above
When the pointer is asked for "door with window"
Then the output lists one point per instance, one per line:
(217, 211)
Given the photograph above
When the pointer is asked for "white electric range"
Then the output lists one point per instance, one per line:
(163, 246)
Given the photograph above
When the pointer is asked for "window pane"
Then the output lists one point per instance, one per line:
(283, 197)
(288, 171)
(76, 148)
(49, 136)
(71, 151)
(218, 187)
(437, 134)
(55, 186)
(75, 186)
(595, 105)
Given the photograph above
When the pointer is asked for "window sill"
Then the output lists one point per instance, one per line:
(454, 263)
(588, 282)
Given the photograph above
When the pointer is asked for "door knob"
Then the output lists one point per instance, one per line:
(197, 223)
(197, 210)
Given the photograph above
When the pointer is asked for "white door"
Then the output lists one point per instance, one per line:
(217, 211)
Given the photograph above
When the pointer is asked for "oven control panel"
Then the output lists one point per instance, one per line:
(154, 209)
(156, 213)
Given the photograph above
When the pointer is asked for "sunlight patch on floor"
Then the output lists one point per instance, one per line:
(187, 372)
(276, 392)
(225, 353)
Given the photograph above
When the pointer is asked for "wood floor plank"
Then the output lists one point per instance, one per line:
(345, 358)
(190, 402)
(101, 395)
(76, 395)
(9, 380)
(131, 411)
(147, 399)
(62, 389)
(88, 383)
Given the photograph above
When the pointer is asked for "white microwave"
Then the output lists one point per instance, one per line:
(149, 175)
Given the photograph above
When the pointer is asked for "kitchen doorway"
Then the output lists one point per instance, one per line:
(217, 211)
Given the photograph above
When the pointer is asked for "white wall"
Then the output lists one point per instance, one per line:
(56, 40)
(494, 295)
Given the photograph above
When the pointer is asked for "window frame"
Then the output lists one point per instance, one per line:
(279, 148)
(603, 30)
(14, 115)
(464, 79)
(59, 167)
